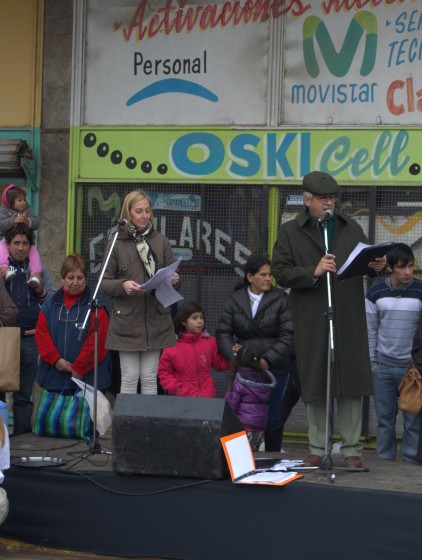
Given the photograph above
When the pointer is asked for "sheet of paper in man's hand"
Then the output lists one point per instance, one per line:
(161, 283)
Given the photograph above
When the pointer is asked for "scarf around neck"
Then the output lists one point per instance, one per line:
(143, 247)
(254, 301)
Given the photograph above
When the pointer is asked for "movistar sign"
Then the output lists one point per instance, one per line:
(338, 63)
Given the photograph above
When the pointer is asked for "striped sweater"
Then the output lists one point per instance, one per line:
(392, 316)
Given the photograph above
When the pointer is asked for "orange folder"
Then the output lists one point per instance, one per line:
(242, 466)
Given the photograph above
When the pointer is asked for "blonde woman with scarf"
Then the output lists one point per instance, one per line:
(140, 327)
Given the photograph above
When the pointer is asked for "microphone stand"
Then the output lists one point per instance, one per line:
(326, 461)
(94, 445)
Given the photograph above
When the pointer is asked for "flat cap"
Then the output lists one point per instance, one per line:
(318, 182)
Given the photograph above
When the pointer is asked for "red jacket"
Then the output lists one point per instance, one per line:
(184, 370)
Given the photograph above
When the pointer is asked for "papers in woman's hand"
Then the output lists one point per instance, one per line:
(161, 283)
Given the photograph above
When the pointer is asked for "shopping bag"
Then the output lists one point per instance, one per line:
(59, 415)
(104, 414)
(10, 344)
(410, 390)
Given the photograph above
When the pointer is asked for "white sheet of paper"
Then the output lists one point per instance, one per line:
(278, 466)
(166, 294)
(267, 477)
(240, 455)
(161, 283)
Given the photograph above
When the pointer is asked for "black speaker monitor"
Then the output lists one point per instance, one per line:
(172, 436)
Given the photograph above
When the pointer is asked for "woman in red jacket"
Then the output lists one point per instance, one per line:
(184, 370)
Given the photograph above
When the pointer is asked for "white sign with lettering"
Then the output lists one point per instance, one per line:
(159, 63)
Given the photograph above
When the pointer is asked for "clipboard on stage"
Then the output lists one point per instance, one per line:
(242, 467)
(358, 260)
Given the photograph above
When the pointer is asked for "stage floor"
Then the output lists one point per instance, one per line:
(82, 505)
(396, 476)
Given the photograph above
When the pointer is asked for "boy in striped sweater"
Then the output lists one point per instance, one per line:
(393, 307)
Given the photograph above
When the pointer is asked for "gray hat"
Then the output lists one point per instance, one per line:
(318, 182)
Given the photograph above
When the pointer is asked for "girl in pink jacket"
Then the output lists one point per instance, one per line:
(184, 370)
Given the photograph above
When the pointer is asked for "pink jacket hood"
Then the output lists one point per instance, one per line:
(3, 198)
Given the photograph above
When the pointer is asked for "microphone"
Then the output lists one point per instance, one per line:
(121, 222)
(326, 216)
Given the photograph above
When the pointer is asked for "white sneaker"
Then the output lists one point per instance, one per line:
(10, 275)
(33, 282)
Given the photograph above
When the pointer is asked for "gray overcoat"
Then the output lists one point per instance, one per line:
(297, 251)
(138, 322)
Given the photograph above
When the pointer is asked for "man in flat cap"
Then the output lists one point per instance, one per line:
(300, 262)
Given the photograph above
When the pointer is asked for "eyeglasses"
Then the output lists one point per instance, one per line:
(325, 197)
(65, 312)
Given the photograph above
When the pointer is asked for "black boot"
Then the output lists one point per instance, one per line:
(273, 440)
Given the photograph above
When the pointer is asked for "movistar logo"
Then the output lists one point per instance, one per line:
(338, 63)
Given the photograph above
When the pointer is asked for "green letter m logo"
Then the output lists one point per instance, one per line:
(338, 63)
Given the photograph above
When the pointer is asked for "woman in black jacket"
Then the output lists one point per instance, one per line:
(258, 313)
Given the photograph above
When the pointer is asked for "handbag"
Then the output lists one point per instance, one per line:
(10, 358)
(65, 416)
(410, 390)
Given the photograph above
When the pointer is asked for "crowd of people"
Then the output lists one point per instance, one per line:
(275, 339)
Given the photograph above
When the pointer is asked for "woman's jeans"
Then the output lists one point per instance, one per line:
(386, 391)
(139, 366)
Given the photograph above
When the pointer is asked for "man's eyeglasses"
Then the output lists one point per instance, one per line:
(325, 197)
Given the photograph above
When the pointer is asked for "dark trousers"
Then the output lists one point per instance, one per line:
(274, 404)
(291, 394)
(22, 399)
